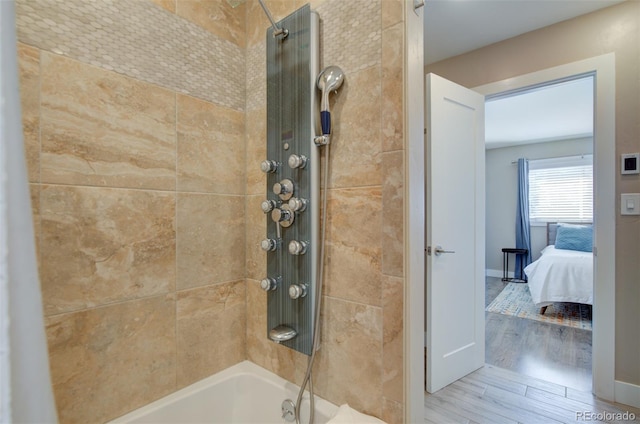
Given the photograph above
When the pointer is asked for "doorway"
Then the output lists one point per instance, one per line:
(603, 69)
(551, 127)
(604, 239)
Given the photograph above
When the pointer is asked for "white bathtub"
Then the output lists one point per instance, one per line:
(243, 393)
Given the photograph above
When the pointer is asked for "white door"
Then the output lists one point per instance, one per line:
(455, 260)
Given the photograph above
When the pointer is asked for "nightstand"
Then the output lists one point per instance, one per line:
(505, 264)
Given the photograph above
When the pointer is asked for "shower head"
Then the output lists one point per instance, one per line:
(329, 79)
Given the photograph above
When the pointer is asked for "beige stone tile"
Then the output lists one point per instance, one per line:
(356, 145)
(392, 88)
(257, 22)
(211, 148)
(101, 128)
(102, 245)
(392, 412)
(287, 363)
(392, 339)
(34, 191)
(256, 150)
(256, 322)
(392, 13)
(111, 360)
(217, 17)
(210, 239)
(256, 232)
(29, 70)
(211, 324)
(353, 250)
(348, 367)
(169, 5)
(393, 213)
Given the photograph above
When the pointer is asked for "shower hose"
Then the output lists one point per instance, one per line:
(316, 326)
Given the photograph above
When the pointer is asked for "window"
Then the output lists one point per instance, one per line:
(561, 189)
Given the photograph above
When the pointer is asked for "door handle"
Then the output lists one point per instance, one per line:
(439, 251)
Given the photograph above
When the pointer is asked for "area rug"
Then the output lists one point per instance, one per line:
(515, 300)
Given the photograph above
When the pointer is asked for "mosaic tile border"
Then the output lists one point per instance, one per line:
(351, 34)
(140, 40)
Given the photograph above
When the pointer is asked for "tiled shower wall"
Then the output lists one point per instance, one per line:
(134, 128)
(144, 155)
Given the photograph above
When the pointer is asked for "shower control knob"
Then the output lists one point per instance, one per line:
(269, 166)
(268, 245)
(297, 205)
(268, 284)
(267, 206)
(283, 216)
(296, 161)
(284, 189)
(297, 291)
(297, 247)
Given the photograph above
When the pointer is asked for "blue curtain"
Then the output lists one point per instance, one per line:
(523, 229)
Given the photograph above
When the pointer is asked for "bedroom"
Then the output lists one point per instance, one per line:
(552, 128)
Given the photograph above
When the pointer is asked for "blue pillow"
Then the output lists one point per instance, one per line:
(574, 237)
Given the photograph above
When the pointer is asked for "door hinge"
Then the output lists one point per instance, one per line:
(425, 131)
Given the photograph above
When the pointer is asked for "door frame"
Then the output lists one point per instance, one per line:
(604, 200)
(414, 207)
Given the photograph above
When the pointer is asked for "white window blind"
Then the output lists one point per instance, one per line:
(561, 189)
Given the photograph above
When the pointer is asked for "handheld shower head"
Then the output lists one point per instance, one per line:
(329, 79)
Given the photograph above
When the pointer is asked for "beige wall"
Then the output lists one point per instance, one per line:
(144, 152)
(615, 29)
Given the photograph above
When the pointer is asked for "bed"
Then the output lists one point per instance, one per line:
(564, 272)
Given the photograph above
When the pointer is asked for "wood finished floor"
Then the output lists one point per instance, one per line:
(536, 373)
(551, 352)
(495, 395)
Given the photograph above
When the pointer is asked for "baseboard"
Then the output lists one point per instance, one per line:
(497, 273)
(627, 393)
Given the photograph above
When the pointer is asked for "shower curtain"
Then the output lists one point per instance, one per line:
(25, 384)
(523, 228)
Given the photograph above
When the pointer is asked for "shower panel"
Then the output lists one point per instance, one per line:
(292, 171)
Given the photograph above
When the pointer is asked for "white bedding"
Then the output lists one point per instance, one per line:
(561, 276)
